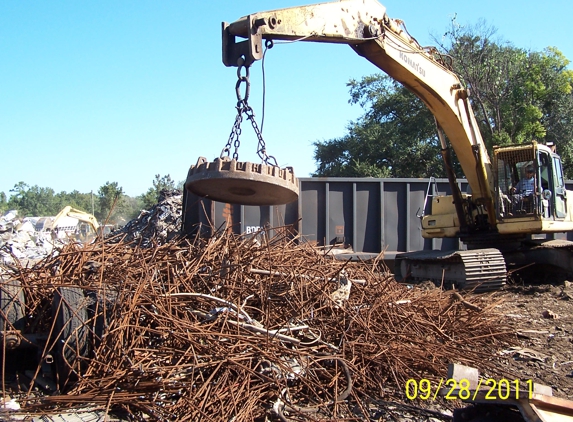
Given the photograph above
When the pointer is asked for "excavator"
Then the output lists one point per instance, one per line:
(71, 223)
(501, 228)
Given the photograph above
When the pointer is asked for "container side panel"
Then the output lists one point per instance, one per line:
(290, 213)
(569, 186)
(190, 214)
(367, 217)
(197, 215)
(417, 196)
(326, 217)
(227, 217)
(255, 219)
(312, 203)
(394, 221)
(340, 216)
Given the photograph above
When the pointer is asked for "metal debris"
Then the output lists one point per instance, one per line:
(229, 328)
(549, 314)
(20, 240)
(158, 225)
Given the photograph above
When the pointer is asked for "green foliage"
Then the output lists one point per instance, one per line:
(395, 138)
(151, 197)
(517, 96)
(3, 203)
(31, 201)
(111, 203)
(35, 201)
(132, 209)
(75, 199)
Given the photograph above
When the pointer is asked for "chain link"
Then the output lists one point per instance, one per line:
(243, 107)
(261, 147)
(233, 138)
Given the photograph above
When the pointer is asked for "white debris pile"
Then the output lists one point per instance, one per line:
(155, 226)
(19, 239)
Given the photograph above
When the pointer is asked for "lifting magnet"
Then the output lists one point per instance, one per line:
(240, 182)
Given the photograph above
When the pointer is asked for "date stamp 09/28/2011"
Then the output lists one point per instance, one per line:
(451, 389)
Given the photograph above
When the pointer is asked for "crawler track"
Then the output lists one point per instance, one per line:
(479, 270)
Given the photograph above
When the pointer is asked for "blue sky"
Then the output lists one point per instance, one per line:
(118, 91)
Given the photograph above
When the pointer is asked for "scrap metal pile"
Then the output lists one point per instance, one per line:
(155, 226)
(243, 328)
(19, 239)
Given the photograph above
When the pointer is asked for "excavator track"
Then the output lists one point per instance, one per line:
(556, 254)
(479, 270)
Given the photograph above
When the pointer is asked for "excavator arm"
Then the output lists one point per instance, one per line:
(90, 223)
(85, 217)
(365, 26)
(68, 211)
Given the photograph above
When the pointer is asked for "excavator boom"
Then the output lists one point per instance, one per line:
(385, 42)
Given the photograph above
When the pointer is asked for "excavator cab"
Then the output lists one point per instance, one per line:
(529, 183)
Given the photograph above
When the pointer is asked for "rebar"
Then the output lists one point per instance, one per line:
(232, 328)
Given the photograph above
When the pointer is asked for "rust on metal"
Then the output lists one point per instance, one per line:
(242, 182)
(244, 328)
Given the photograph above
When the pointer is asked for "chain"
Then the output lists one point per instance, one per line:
(234, 138)
(261, 147)
(243, 107)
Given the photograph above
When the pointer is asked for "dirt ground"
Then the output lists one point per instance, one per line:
(542, 317)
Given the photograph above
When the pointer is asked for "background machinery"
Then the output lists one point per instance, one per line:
(70, 223)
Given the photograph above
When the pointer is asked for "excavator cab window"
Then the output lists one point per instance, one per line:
(558, 195)
(517, 182)
(544, 170)
(546, 184)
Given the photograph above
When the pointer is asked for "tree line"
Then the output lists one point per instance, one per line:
(517, 96)
(109, 204)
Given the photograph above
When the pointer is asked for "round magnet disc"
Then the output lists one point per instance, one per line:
(241, 182)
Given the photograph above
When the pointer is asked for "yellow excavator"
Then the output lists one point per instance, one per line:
(501, 226)
(71, 223)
